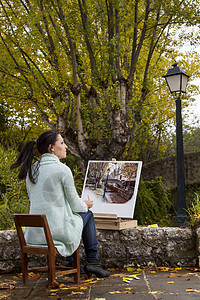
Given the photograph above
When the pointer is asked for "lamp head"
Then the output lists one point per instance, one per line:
(176, 79)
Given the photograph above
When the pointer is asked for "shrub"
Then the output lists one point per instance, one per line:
(13, 195)
(194, 212)
(153, 204)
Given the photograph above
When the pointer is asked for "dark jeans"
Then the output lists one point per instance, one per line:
(89, 236)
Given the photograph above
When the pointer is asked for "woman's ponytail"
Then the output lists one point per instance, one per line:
(26, 159)
(26, 156)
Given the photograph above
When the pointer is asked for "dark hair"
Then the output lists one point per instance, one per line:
(27, 154)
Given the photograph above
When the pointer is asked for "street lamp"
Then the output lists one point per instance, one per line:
(177, 81)
(104, 193)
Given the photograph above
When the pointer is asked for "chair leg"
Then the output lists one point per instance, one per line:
(51, 261)
(76, 259)
(25, 267)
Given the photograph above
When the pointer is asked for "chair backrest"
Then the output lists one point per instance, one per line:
(29, 220)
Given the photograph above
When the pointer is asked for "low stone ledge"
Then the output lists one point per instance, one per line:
(141, 246)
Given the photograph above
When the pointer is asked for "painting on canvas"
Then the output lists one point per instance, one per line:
(113, 186)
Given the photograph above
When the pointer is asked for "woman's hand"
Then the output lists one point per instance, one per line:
(89, 202)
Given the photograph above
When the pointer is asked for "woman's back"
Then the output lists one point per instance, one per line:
(54, 195)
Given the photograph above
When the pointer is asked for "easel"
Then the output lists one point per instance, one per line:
(112, 222)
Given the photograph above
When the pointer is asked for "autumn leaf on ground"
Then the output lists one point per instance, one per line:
(4, 296)
(119, 292)
(77, 293)
(62, 285)
(135, 276)
(3, 286)
(193, 290)
(6, 286)
(193, 270)
(89, 280)
(129, 269)
(177, 275)
(53, 290)
(170, 282)
(127, 279)
(155, 292)
(35, 276)
(119, 275)
(163, 269)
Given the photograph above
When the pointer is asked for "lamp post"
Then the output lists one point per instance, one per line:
(177, 80)
(104, 193)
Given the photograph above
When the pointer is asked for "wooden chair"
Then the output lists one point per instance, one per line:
(28, 220)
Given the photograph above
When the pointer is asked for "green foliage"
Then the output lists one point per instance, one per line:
(78, 178)
(94, 68)
(77, 172)
(194, 211)
(13, 195)
(153, 204)
(15, 131)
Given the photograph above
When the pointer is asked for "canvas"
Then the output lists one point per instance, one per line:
(113, 186)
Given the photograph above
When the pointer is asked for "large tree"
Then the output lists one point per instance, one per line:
(89, 67)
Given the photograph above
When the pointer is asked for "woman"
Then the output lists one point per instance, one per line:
(51, 190)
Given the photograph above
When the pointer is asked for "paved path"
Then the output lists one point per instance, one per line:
(165, 284)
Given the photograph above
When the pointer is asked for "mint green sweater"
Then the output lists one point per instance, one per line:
(55, 195)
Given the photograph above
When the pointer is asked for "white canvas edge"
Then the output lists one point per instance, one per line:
(125, 210)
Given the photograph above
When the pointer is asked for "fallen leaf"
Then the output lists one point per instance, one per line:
(89, 280)
(170, 282)
(177, 275)
(119, 292)
(35, 276)
(155, 292)
(11, 287)
(4, 296)
(129, 269)
(127, 279)
(163, 269)
(134, 277)
(115, 292)
(119, 275)
(6, 286)
(3, 287)
(193, 290)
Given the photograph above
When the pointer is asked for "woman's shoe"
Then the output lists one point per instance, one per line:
(92, 266)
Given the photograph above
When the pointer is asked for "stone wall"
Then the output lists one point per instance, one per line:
(166, 168)
(139, 247)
